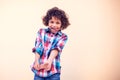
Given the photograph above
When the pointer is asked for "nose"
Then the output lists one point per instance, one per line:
(54, 25)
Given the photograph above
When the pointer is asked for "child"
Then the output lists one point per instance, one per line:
(49, 44)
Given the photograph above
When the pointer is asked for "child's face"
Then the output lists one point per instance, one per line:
(54, 24)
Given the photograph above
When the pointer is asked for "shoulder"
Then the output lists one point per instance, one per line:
(41, 30)
(63, 35)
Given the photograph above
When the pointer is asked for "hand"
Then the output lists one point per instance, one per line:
(36, 65)
(46, 66)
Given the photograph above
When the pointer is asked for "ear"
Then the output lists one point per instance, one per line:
(61, 28)
(42, 17)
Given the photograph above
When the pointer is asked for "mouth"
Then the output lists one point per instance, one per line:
(53, 30)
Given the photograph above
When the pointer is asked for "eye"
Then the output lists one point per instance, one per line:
(57, 22)
(51, 21)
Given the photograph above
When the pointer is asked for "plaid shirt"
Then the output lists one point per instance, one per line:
(45, 42)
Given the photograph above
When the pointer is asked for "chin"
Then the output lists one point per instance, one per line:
(53, 31)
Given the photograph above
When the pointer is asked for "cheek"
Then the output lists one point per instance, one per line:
(60, 26)
(50, 25)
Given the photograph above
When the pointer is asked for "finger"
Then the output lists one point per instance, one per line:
(38, 67)
(46, 65)
(41, 66)
(34, 66)
(47, 69)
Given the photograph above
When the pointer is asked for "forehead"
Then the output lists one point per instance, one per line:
(55, 18)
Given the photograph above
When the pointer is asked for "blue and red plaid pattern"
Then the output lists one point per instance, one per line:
(44, 43)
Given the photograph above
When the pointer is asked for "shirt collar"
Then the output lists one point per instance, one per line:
(49, 31)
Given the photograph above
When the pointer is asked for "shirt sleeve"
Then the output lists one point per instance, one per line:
(38, 43)
(61, 43)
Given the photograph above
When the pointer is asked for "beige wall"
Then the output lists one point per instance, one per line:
(93, 49)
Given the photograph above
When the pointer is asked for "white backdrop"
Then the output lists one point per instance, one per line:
(91, 53)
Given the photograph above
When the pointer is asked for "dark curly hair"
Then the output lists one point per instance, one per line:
(58, 13)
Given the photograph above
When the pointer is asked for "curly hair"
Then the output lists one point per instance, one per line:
(58, 13)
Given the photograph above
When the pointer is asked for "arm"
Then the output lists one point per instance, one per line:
(56, 50)
(37, 56)
(36, 63)
(37, 51)
(47, 64)
(38, 43)
(52, 56)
